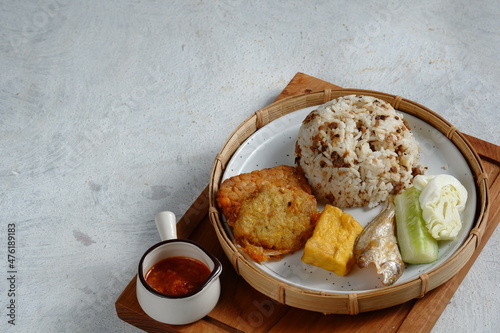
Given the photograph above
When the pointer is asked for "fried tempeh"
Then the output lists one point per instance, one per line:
(235, 190)
(275, 221)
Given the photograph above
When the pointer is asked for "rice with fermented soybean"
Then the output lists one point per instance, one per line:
(356, 150)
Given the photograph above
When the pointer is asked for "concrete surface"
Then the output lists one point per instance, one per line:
(111, 111)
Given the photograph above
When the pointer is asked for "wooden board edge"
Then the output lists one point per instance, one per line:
(303, 84)
(484, 148)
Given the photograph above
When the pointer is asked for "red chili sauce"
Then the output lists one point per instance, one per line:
(177, 275)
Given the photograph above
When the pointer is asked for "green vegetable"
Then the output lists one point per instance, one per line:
(416, 245)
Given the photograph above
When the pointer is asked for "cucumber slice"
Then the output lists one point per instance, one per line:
(416, 245)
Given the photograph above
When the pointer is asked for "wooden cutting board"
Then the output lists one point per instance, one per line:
(242, 308)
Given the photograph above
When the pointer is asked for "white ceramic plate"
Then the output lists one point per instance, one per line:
(274, 145)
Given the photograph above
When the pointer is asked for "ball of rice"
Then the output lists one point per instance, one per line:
(356, 150)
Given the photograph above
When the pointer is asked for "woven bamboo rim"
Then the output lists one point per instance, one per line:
(353, 303)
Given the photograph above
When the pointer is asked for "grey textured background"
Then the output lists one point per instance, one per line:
(111, 111)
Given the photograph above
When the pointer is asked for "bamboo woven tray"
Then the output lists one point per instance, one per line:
(243, 308)
(332, 301)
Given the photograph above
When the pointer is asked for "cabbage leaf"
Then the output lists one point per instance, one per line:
(442, 200)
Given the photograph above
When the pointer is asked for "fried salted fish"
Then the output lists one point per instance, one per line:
(274, 221)
(377, 244)
(235, 190)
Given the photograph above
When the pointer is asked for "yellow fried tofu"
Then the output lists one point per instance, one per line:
(331, 245)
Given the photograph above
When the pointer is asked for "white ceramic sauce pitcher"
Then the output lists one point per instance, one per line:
(181, 309)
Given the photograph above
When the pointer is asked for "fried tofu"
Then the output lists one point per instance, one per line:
(332, 243)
